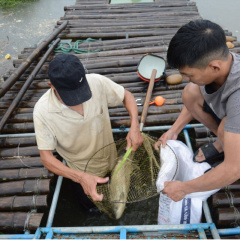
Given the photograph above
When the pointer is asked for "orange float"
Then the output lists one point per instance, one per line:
(159, 101)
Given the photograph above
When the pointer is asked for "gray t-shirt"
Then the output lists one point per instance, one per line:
(226, 100)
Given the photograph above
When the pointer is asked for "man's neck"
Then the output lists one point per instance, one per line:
(226, 68)
(78, 108)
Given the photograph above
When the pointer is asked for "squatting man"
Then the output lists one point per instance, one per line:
(199, 51)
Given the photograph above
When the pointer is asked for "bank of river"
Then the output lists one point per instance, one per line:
(26, 25)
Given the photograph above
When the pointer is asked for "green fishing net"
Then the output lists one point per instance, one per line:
(131, 181)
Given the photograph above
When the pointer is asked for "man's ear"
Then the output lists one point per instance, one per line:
(215, 65)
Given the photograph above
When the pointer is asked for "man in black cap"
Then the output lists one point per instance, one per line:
(72, 117)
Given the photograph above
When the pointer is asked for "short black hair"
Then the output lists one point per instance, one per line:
(196, 44)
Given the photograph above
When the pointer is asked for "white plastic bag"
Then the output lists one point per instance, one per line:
(179, 162)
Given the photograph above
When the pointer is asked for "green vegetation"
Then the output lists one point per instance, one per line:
(12, 3)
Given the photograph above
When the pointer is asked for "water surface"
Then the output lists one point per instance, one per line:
(26, 25)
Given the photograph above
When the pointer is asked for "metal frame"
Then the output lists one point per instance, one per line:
(71, 232)
(122, 231)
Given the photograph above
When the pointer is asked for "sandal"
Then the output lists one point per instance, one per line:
(211, 154)
(213, 165)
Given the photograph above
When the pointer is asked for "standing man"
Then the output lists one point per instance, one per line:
(199, 51)
(72, 117)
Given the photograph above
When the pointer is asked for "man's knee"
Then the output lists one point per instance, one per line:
(191, 94)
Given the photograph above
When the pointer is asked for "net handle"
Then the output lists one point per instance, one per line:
(147, 99)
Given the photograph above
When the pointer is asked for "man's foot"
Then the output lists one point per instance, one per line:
(210, 152)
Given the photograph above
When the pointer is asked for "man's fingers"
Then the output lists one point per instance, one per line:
(135, 147)
(157, 145)
(97, 197)
(129, 144)
(103, 180)
(163, 143)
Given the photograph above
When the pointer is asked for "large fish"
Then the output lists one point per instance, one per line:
(119, 186)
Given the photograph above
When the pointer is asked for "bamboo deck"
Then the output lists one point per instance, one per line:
(125, 32)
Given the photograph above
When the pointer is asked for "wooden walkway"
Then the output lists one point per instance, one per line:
(123, 34)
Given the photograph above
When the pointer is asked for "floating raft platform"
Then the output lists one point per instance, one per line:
(110, 39)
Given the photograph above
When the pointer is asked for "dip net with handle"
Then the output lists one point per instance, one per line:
(134, 176)
(135, 179)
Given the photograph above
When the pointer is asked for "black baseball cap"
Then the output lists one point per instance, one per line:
(67, 75)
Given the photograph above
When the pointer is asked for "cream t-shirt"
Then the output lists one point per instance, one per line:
(75, 137)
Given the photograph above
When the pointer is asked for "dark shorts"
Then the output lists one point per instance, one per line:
(207, 109)
(81, 197)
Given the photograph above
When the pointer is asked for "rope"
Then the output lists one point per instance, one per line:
(34, 201)
(13, 202)
(19, 157)
(36, 186)
(231, 204)
(67, 47)
(26, 227)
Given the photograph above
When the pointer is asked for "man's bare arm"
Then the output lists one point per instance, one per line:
(88, 181)
(134, 137)
(224, 174)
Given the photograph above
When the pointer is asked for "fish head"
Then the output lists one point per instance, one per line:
(119, 207)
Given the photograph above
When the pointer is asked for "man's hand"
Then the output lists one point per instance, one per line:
(174, 190)
(169, 135)
(89, 183)
(134, 139)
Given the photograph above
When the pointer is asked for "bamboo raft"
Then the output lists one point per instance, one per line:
(225, 204)
(122, 34)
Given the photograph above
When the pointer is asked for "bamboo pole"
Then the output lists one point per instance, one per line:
(20, 221)
(129, 34)
(26, 85)
(225, 199)
(162, 4)
(115, 42)
(170, 106)
(164, 11)
(228, 217)
(18, 141)
(28, 127)
(19, 151)
(140, 96)
(152, 120)
(24, 173)
(203, 132)
(23, 203)
(232, 187)
(202, 141)
(12, 79)
(16, 162)
(27, 187)
(133, 89)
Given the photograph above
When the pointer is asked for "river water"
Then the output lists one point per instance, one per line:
(26, 26)
(223, 12)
